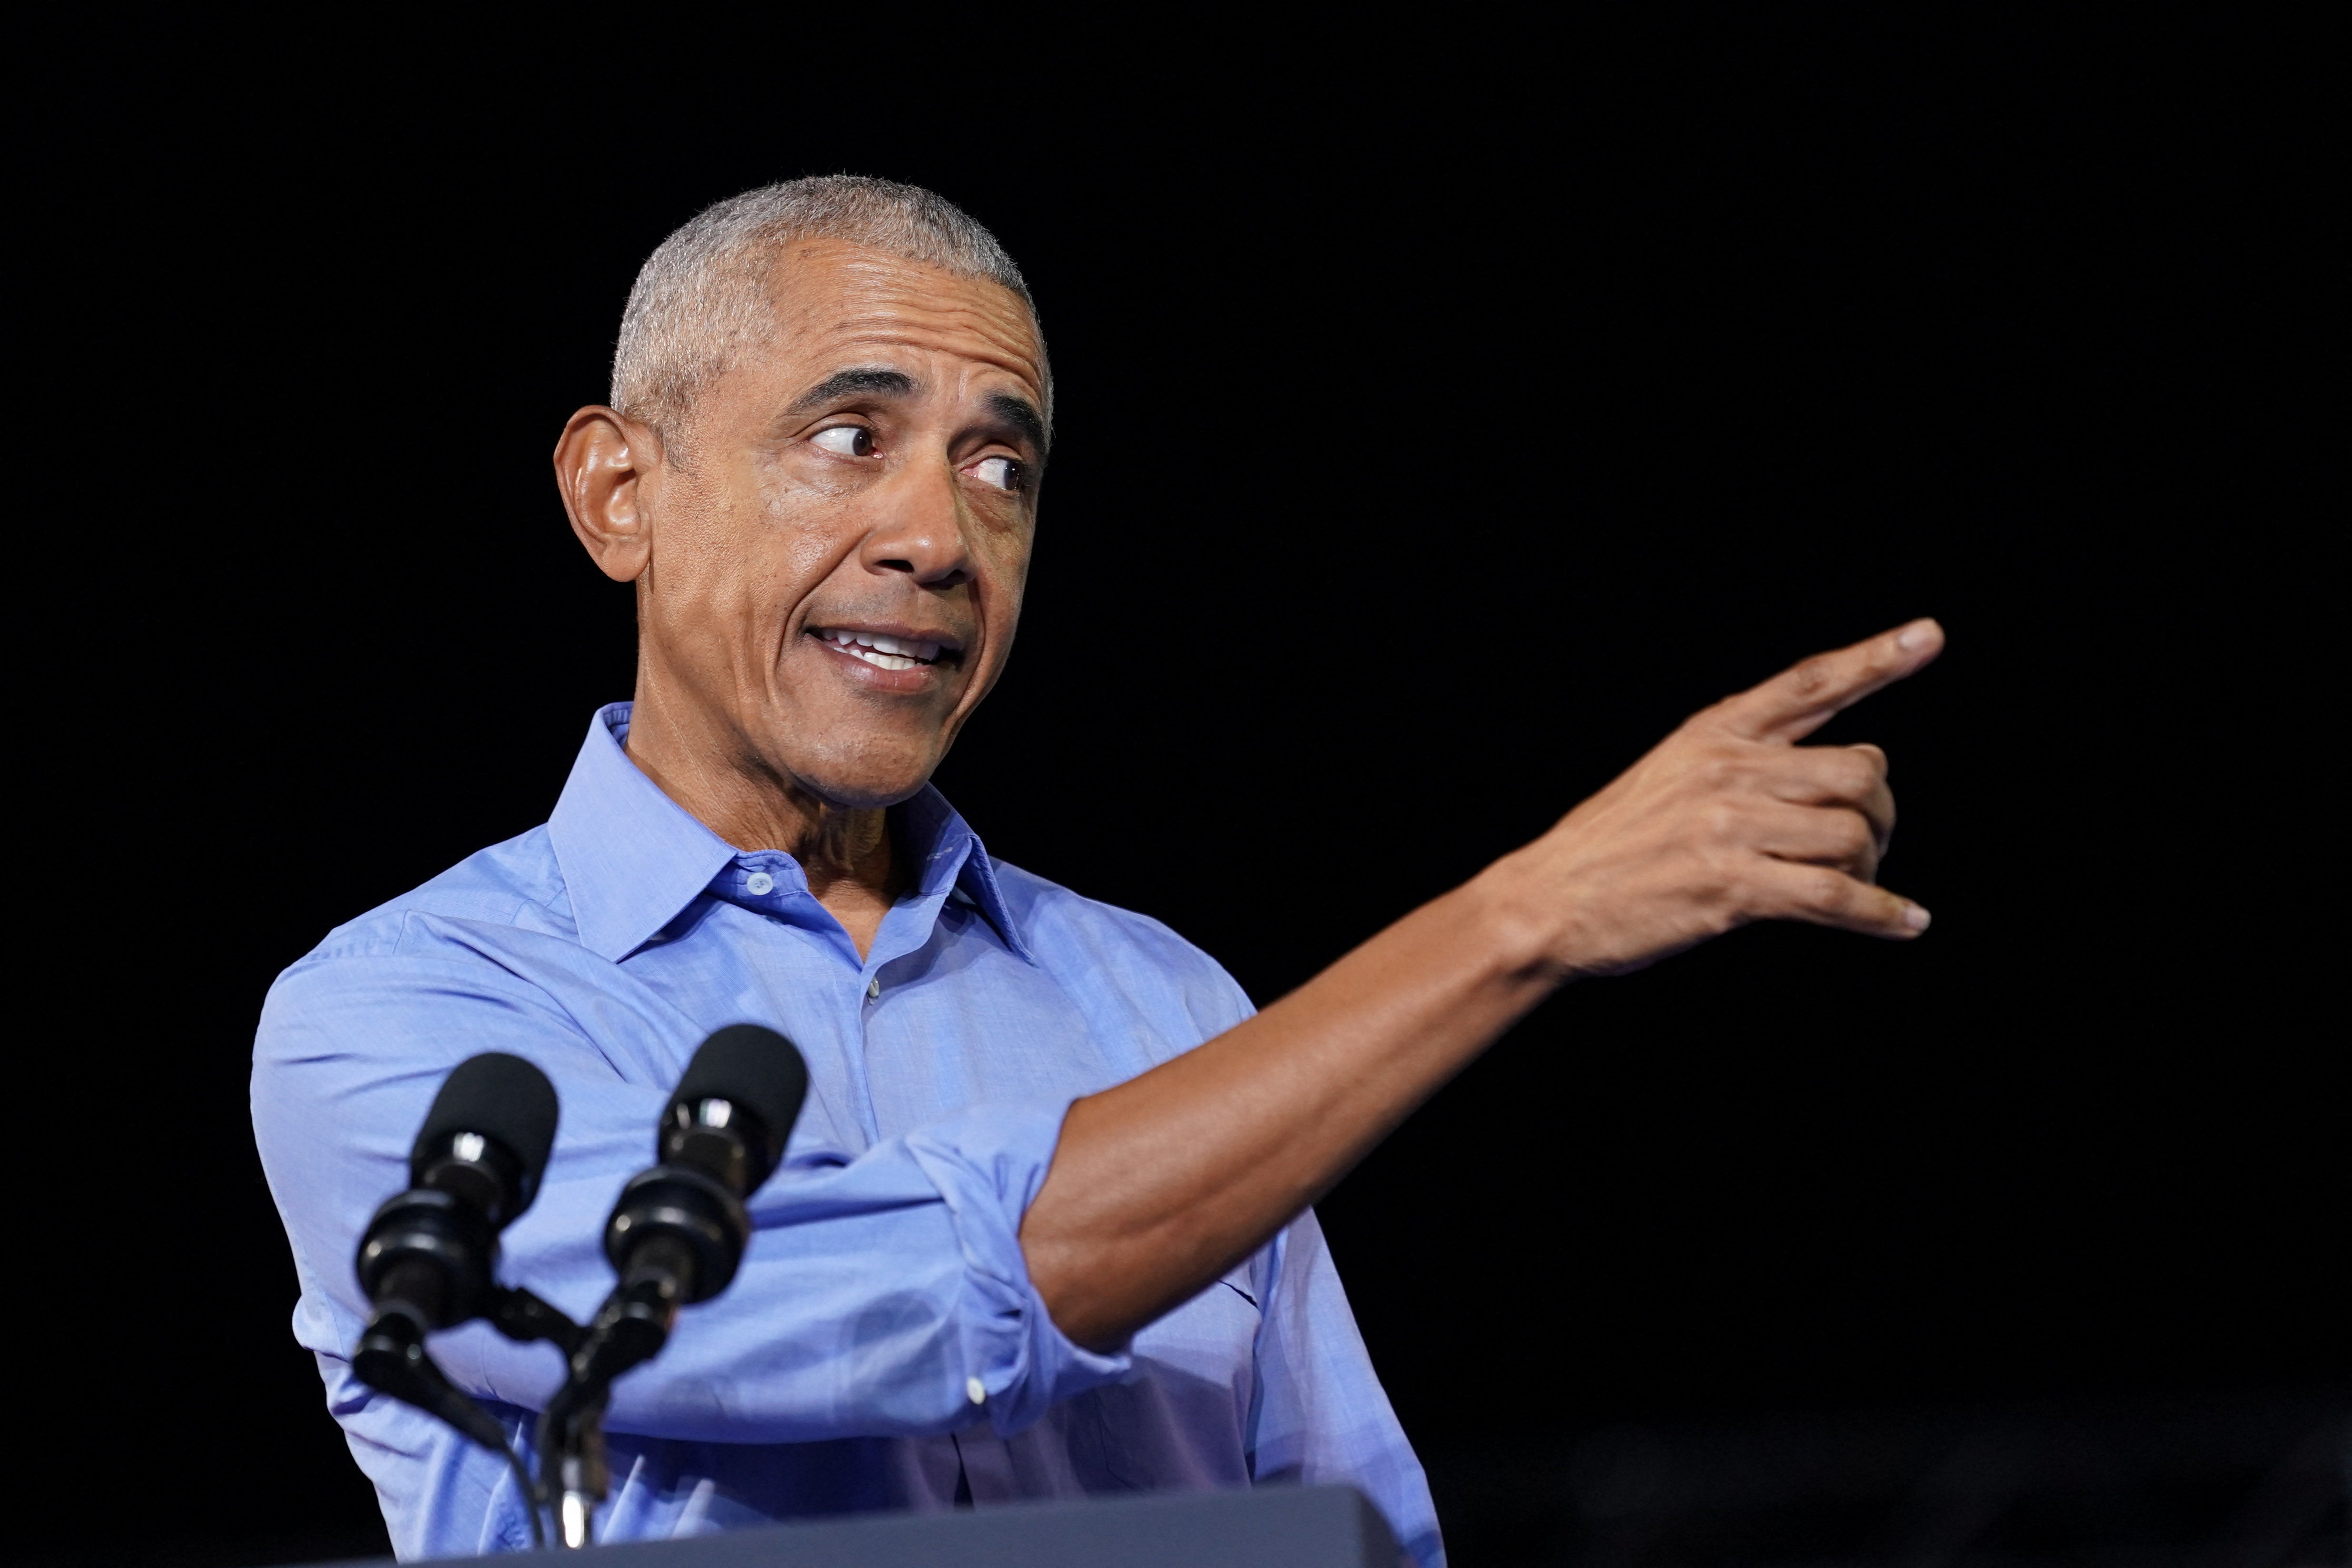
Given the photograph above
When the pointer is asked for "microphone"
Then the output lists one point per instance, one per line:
(676, 1237)
(426, 1257)
(680, 1227)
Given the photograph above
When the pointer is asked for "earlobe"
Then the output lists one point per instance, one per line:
(602, 460)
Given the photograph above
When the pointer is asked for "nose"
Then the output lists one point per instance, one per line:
(921, 529)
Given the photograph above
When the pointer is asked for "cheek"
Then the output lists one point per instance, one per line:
(799, 559)
(692, 539)
(801, 538)
(1003, 578)
(1004, 550)
(730, 581)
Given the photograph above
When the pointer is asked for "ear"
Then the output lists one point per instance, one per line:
(602, 461)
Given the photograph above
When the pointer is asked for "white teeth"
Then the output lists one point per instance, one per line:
(883, 652)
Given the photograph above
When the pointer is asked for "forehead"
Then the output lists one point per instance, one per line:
(836, 304)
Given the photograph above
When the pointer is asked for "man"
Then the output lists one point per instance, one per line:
(1044, 1229)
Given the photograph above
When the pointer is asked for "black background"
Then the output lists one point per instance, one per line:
(1436, 430)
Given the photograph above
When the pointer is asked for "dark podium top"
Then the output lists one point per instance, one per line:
(1274, 1527)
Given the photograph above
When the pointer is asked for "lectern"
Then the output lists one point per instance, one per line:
(1271, 1527)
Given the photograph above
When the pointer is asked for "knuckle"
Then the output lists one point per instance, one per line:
(1841, 775)
(1811, 677)
(1718, 881)
(1721, 821)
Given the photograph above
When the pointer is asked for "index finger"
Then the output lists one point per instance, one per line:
(1801, 698)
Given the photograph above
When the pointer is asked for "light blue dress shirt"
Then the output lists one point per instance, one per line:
(882, 1346)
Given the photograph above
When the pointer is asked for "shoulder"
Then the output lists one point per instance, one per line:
(1050, 913)
(1085, 940)
(516, 884)
(478, 958)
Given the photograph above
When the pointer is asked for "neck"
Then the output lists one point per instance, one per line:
(720, 779)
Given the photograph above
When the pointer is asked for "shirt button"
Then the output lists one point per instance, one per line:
(759, 882)
(873, 988)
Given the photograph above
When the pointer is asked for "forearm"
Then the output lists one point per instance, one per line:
(1161, 1183)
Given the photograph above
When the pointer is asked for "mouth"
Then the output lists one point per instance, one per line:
(893, 650)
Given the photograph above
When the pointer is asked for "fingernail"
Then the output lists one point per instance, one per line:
(1913, 638)
(1915, 918)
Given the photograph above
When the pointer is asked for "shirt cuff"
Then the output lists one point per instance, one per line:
(987, 1164)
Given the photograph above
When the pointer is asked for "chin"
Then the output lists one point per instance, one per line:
(856, 783)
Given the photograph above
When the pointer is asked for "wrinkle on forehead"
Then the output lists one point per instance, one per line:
(832, 296)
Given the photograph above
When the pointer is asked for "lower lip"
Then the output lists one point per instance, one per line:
(876, 679)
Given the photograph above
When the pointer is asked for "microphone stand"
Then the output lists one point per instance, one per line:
(628, 1331)
(676, 1237)
(392, 1359)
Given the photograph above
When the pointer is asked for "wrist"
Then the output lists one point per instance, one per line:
(1521, 921)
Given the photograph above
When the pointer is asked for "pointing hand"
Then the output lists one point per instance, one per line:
(1729, 820)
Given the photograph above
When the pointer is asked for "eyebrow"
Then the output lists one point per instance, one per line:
(1023, 415)
(846, 382)
(878, 380)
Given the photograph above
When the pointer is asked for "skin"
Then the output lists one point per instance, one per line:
(757, 525)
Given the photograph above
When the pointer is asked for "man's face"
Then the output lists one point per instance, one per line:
(838, 543)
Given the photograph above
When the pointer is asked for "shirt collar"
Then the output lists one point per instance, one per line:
(951, 856)
(632, 858)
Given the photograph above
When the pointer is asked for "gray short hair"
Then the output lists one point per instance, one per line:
(702, 296)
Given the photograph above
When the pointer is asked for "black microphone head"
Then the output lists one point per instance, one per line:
(503, 1099)
(761, 1076)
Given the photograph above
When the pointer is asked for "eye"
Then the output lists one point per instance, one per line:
(849, 440)
(1001, 472)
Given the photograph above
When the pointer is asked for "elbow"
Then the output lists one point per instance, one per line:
(1079, 1292)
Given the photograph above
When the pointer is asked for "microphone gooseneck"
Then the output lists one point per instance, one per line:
(676, 1237)
(425, 1261)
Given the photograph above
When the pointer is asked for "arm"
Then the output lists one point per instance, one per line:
(1160, 1185)
(875, 1290)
